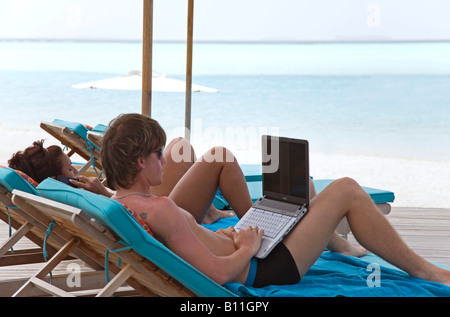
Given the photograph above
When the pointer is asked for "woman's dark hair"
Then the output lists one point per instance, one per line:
(38, 162)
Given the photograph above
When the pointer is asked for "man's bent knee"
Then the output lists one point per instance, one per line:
(180, 150)
(347, 186)
(219, 154)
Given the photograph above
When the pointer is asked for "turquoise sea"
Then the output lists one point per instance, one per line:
(388, 99)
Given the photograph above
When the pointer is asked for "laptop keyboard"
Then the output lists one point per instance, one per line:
(271, 222)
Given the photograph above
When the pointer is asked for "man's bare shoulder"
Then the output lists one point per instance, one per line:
(147, 203)
(154, 210)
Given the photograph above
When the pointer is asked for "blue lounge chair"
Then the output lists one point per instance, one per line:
(31, 225)
(34, 225)
(114, 216)
(74, 135)
(9, 180)
(253, 177)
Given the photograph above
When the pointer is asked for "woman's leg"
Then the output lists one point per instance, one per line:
(218, 168)
(345, 197)
(180, 156)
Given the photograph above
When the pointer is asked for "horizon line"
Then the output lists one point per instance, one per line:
(335, 41)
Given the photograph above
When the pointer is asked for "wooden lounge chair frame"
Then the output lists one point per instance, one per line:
(96, 138)
(34, 225)
(80, 232)
(22, 228)
(21, 222)
(76, 143)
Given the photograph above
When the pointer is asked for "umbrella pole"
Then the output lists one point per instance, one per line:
(190, 31)
(147, 43)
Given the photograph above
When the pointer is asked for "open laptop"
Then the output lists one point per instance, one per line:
(285, 178)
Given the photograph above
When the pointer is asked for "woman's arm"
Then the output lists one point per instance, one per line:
(91, 184)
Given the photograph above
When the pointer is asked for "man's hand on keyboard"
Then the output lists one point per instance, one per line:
(249, 238)
(228, 232)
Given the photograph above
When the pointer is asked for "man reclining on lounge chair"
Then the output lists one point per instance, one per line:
(132, 159)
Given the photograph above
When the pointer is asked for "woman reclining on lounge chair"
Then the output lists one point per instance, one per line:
(39, 163)
(132, 159)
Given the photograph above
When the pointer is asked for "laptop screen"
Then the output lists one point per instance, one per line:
(285, 169)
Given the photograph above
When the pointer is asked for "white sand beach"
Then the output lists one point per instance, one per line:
(416, 183)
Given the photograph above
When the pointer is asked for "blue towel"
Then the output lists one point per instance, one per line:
(334, 274)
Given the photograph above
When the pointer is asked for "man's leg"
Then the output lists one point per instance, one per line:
(345, 197)
(337, 243)
(180, 157)
(217, 168)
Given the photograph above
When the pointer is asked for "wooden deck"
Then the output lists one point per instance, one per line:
(427, 231)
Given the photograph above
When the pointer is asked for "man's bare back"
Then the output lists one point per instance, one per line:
(164, 218)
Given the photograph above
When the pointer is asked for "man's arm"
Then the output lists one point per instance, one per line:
(172, 227)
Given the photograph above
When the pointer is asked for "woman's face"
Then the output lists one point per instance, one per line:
(67, 169)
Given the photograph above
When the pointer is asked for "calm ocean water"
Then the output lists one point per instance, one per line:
(371, 99)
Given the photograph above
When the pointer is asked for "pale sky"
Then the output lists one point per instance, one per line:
(228, 20)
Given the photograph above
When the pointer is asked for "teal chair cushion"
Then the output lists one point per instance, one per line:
(11, 179)
(253, 177)
(78, 128)
(379, 196)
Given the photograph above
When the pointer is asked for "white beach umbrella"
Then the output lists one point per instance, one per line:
(133, 81)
